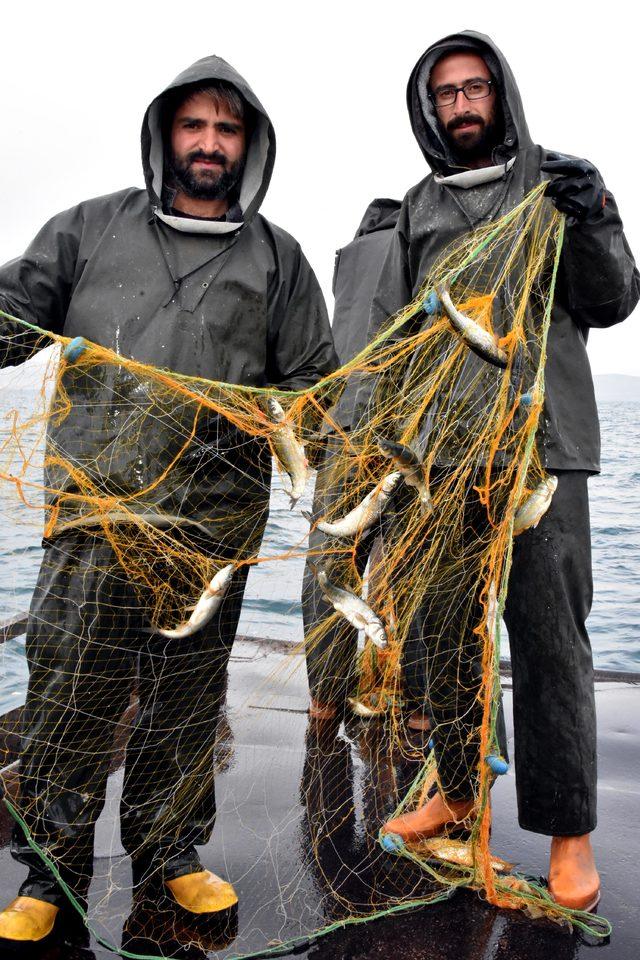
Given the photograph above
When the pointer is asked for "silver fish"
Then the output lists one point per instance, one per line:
(483, 343)
(411, 468)
(367, 512)
(289, 451)
(362, 710)
(353, 608)
(492, 610)
(206, 607)
(460, 853)
(531, 511)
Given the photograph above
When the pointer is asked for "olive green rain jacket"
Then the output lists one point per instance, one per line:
(598, 283)
(230, 301)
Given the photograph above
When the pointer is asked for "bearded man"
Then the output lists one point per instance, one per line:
(185, 275)
(468, 119)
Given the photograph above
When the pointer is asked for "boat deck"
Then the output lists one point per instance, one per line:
(299, 810)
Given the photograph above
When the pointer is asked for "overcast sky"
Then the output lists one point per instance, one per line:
(77, 77)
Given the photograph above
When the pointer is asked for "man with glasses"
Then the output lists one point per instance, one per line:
(471, 129)
(467, 116)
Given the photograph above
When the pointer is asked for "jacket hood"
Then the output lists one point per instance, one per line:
(381, 214)
(261, 150)
(424, 122)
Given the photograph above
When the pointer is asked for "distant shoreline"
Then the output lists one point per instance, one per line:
(616, 386)
(608, 386)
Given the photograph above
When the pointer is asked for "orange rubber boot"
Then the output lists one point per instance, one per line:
(321, 711)
(202, 892)
(431, 819)
(27, 919)
(573, 878)
(418, 721)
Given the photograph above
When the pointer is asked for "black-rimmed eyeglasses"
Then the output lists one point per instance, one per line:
(472, 89)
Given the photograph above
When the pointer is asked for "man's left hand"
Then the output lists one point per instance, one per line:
(577, 188)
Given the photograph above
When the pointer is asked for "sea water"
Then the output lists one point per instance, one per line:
(272, 600)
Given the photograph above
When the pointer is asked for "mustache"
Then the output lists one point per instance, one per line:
(215, 157)
(465, 118)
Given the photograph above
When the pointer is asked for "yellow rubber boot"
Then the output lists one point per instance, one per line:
(202, 892)
(27, 919)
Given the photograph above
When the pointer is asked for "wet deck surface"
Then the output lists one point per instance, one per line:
(299, 808)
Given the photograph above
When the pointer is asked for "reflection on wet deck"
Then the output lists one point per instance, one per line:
(300, 805)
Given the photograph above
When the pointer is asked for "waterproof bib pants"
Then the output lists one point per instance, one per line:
(548, 602)
(89, 647)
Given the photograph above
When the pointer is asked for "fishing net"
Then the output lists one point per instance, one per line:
(155, 500)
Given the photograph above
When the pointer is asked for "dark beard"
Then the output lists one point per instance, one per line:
(214, 184)
(480, 145)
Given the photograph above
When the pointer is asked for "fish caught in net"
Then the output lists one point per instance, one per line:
(155, 504)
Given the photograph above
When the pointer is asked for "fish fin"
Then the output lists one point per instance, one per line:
(307, 515)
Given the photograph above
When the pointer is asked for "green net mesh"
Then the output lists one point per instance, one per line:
(155, 504)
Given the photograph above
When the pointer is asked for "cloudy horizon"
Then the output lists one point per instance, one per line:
(334, 84)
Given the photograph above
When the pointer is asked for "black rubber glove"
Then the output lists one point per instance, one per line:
(577, 188)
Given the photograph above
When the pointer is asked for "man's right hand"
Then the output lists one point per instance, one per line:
(577, 188)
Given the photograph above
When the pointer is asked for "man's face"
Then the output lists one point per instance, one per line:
(469, 125)
(208, 147)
